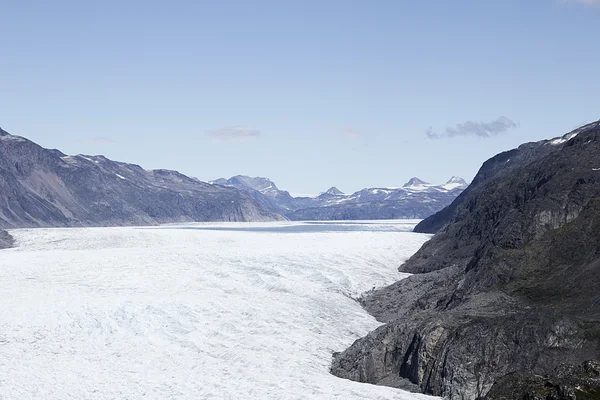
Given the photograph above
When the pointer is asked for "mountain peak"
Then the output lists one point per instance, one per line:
(220, 181)
(415, 182)
(456, 180)
(255, 183)
(3, 132)
(334, 191)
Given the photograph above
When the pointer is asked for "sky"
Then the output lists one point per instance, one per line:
(311, 94)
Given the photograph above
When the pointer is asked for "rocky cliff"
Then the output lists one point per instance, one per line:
(510, 284)
(41, 187)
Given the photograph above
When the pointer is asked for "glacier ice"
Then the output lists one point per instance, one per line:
(197, 311)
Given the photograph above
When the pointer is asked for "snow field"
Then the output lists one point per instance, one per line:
(190, 312)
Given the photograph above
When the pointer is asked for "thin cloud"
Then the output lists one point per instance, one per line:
(98, 140)
(234, 133)
(475, 128)
(587, 3)
(350, 133)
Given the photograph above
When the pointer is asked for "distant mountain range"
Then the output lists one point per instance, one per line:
(415, 199)
(46, 188)
(42, 188)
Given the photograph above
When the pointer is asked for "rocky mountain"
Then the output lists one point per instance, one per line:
(263, 189)
(506, 291)
(416, 182)
(41, 187)
(456, 182)
(334, 191)
(416, 199)
(503, 164)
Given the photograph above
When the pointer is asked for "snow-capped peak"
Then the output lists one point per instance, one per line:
(8, 137)
(262, 185)
(334, 191)
(456, 179)
(415, 182)
(455, 182)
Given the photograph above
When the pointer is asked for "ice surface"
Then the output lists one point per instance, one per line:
(452, 186)
(420, 188)
(220, 311)
(13, 138)
(563, 139)
(88, 159)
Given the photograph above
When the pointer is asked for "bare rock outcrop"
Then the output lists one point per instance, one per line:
(565, 382)
(6, 240)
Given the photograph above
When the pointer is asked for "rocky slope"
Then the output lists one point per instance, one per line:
(6, 240)
(41, 187)
(416, 199)
(497, 167)
(566, 382)
(510, 284)
(334, 191)
(263, 189)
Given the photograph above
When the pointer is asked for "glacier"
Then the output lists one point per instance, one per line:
(209, 310)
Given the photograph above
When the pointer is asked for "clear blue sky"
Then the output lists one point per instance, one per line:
(309, 93)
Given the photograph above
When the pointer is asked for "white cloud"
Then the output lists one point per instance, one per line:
(350, 133)
(588, 3)
(234, 133)
(475, 128)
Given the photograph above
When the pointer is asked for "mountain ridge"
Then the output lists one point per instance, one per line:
(508, 285)
(334, 191)
(414, 181)
(416, 199)
(44, 188)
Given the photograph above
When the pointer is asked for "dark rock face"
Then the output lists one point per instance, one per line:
(40, 187)
(510, 283)
(496, 168)
(6, 240)
(566, 382)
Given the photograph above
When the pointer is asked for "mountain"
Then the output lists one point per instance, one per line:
(42, 188)
(501, 165)
(334, 191)
(416, 199)
(263, 185)
(416, 182)
(508, 289)
(456, 182)
(263, 189)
